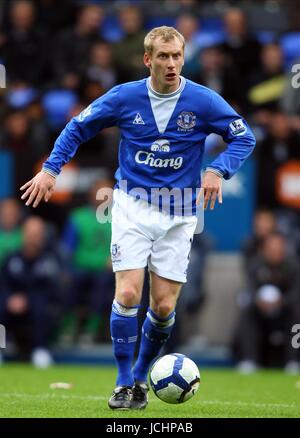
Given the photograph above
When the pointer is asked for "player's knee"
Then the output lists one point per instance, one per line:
(128, 297)
(163, 309)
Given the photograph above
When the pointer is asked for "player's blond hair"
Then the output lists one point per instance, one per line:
(166, 33)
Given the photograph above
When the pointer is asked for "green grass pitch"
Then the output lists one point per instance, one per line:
(25, 392)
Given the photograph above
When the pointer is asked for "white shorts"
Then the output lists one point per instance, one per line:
(142, 235)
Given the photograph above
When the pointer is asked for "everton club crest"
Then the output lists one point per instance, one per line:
(115, 252)
(186, 121)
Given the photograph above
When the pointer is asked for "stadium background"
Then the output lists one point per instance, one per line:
(59, 56)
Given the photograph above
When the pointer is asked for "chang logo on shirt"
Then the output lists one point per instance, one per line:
(160, 145)
(186, 121)
(148, 158)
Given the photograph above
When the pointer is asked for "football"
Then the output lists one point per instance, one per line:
(174, 378)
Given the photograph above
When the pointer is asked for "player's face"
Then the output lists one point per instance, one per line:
(165, 64)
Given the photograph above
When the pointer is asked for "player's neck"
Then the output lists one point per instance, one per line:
(164, 88)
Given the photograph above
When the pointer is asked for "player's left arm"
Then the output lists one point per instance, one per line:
(223, 120)
(211, 189)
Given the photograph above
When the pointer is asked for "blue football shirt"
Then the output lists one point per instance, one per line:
(162, 136)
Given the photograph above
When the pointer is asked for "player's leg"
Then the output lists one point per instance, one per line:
(167, 264)
(158, 324)
(156, 330)
(124, 330)
(130, 248)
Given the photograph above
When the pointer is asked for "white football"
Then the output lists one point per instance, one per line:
(174, 378)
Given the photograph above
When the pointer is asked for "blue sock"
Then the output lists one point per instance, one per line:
(155, 333)
(124, 328)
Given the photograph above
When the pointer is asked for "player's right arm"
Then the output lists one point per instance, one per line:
(39, 188)
(102, 113)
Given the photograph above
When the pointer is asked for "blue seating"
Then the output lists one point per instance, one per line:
(205, 39)
(160, 21)
(57, 105)
(265, 36)
(290, 44)
(21, 97)
(111, 30)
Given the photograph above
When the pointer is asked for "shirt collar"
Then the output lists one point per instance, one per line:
(167, 95)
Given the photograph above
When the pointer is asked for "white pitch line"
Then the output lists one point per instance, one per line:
(101, 398)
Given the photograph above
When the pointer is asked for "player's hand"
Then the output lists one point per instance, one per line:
(38, 188)
(211, 188)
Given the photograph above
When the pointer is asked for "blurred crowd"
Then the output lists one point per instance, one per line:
(56, 278)
(270, 303)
